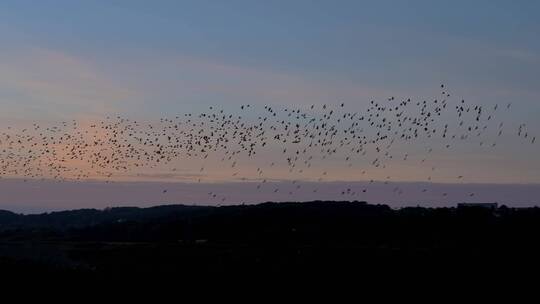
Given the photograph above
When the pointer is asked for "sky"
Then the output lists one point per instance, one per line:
(83, 60)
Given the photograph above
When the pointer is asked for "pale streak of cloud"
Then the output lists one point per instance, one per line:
(34, 196)
(523, 55)
(276, 86)
(50, 83)
(192, 79)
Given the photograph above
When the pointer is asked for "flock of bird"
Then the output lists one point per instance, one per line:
(296, 137)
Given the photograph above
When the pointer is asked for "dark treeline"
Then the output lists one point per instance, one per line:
(299, 238)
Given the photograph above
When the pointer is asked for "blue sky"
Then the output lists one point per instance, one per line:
(387, 46)
(86, 59)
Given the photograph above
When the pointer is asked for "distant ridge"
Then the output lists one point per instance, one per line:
(81, 218)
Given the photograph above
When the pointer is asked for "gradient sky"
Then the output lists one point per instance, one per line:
(146, 59)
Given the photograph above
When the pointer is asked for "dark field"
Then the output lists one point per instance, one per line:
(310, 240)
